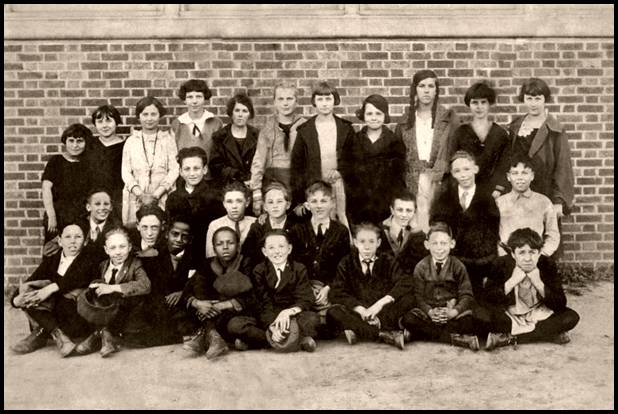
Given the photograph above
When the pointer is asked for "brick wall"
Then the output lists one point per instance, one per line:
(50, 84)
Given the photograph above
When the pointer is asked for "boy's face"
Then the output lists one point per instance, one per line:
(367, 243)
(275, 204)
(71, 240)
(75, 146)
(324, 104)
(117, 247)
(178, 237)
(520, 177)
(439, 245)
(99, 206)
(464, 170)
(320, 205)
(226, 246)
(526, 258)
(195, 101)
(285, 101)
(277, 249)
(403, 211)
(374, 118)
(149, 229)
(235, 204)
(193, 170)
(105, 126)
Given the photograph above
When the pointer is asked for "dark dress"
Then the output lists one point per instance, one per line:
(69, 190)
(105, 163)
(228, 160)
(373, 174)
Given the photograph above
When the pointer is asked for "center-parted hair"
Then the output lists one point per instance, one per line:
(418, 77)
(324, 89)
(194, 85)
(146, 102)
(480, 90)
(525, 236)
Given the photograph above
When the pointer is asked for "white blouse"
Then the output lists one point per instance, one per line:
(424, 137)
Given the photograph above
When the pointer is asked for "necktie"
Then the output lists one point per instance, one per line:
(400, 238)
(527, 292)
(112, 281)
(462, 200)
(320, 235)
(196, 131)
(367, 268)
(279, 273)
(96, 233)
(438, 267)
(237, 229)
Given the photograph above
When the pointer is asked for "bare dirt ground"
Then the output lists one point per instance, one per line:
(579, 375)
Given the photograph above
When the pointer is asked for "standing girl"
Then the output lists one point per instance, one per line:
(149, 166)
(427, 135)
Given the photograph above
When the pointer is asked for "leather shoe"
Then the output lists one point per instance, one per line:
(394, 338)
(63, 342)
(350, 336)
(240, 345)
(89, 345)
(495, 340)
(562, 338)
(36, 340)
(466, 341)
(109, 345)
(407, 336)
(216, 345)
(308, 344)
(196, 343)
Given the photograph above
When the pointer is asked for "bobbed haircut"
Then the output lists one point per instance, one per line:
(147, 101)
(277, 185)
(319, 185)
(324, 89)
(150, 209)
(242, 99)
(276, 232)
(194, 85)
(480, 90)
(534, 87)
(404, 195)
(237, 186)
(461, 154)
(106, 111)
(418, 77)
(190, 152)
(77, 131)
(368, 226)
(525, 236)
(439, 226)
(521, 159)
(221, 230)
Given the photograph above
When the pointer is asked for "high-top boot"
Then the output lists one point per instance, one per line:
(216, 344)
(495, 340)
(36, 340)
(108, 343)
(90, 344)
(63, 342)
(195, 343)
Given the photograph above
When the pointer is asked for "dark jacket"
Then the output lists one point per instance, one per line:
(306, 164)
(227, 163)
(95, 249)
(410, 253)
(352, 288)
(502, 270)
(131, 278)
(373, 173)
(322, 259)
(163, 277)
(252, 247)
(293, 290)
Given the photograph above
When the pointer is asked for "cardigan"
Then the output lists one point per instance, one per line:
(227, 163)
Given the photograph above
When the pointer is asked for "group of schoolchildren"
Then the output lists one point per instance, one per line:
(432, 232)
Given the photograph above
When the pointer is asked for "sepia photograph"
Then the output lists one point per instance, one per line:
(308, 206)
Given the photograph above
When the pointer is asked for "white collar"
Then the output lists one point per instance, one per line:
(145, 246)
(186, 119)
(179, 255)
(113, 266)
(372, 260)
(470, 191)
(279, 226)
(99, 225)
(325, 225)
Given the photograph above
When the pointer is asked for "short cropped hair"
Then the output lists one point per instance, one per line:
(480, 90)
(276, 185)
(521, 237)
(366, 225)
(276, 232)
(521, 159)
(323, 89)
(237, 186)
(439, 226)
(319, 185)
(179, 217)
(97, 190)
(285, 85)
(150, 209)
(194, 85)
(242, 99)
(404, 195)
(229, 230)
(147, 101)
(118, 230)
(106, 111)
(462, 154)
(534, 87)
(77, 131)
(189, 152)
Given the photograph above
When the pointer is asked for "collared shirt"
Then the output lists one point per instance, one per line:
(435, 263)
(64, 264)
(424, 137)
(529, 209)
(93, 226)
(278, 226)
(144, 245)
(176, 258)
(470, 193)
(364, 264)
(325, 224)
(189, 190)
(199, 123)
(108, 272)
(279, 273)
(225, 221)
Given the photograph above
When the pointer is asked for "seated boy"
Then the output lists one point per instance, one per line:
(220, 298)
(147, 237)
(365, 289)
(235, 201)
(471, 213)
(197, 197)
(320, 243)
(276, 204)
(522, 207)
(402, 237)
(285, 296)
(443, 295)
(526, 296)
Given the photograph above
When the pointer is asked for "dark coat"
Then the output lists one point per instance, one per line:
(502, 270)
(227, 163)
(252, 247)
(412, 251)
(131, 278)
(306, 164)
(94, 249)
(475, 230)
(163, 277)
(373, 173)
(293, 290)
(321, 260)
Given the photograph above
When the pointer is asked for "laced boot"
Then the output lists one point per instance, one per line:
(466, 341)
(36, 340)
(196, 343)
(216, 344)
(395, 338)
(108, 343)
(90, 344)
(63, 342)
(495, 340)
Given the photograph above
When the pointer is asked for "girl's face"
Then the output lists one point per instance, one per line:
(479, 108)
(426, 91)
(105, 126)
(117, 247)
(195, 102)
(285, 101)
(374, 118)
(240, 115)
(535, 104)
(75, 146)
(149, 118)
(324, 104)
(71, 240)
